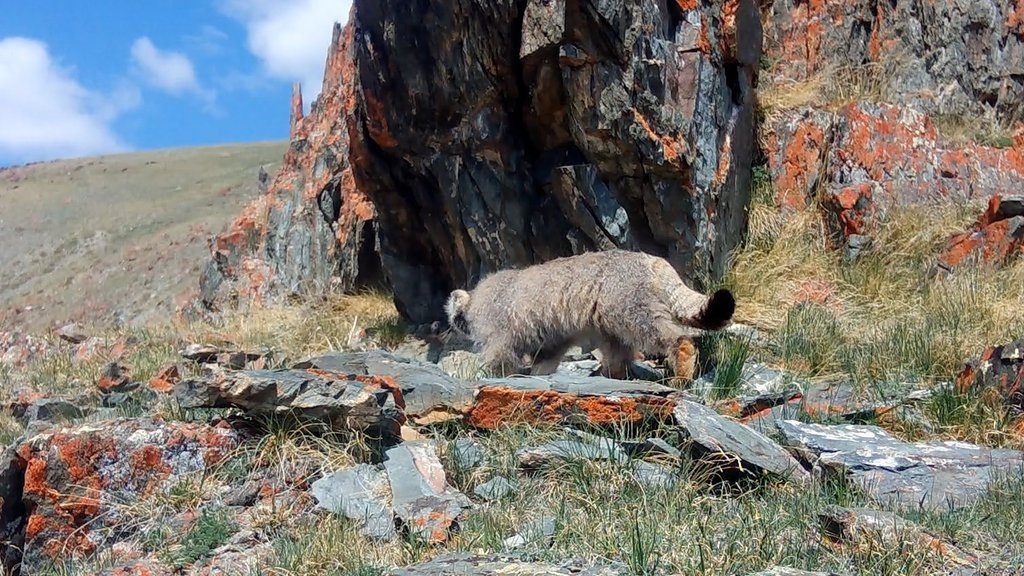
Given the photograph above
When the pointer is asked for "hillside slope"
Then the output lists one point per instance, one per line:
(118, 237)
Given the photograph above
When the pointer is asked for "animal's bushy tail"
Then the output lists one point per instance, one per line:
(455, 309)
(717, 311)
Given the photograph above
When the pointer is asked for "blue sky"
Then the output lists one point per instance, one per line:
(83, 78)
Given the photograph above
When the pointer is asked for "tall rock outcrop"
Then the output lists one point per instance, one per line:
(484, 135)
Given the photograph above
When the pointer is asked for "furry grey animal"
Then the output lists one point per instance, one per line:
(627, 301)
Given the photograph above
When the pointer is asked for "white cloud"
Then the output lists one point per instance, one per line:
(45, 113)
(169, 71)
(290, 37)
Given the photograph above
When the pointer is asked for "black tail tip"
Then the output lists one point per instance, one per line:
(718, 311)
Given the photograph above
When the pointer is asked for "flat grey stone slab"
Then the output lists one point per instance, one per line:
(935, 475)
(738, 447)
(361, 494)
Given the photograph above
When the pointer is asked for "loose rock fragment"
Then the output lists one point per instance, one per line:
(562, 450)
(533, 532)
(864, 528)
(361, 494)
(732, 447)
(421, 496)
(494, 489)
(999, 370)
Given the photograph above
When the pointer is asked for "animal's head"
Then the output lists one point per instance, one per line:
(455, 308)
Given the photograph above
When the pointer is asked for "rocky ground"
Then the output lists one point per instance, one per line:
(318, 438)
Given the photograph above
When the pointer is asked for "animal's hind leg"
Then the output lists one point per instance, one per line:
(500, 359)
(548, 358)
(615, 357)
(680, 351)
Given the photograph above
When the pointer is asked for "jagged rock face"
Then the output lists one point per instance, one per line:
(941, 57)
(311, 229)
(481, 136)
(505, 134)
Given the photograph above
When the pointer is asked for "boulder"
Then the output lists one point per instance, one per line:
(427, 394)
(459, 142)
(76, 479)
(933, 475)
(346, 402)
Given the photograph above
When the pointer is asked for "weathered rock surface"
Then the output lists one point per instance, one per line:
(427, 506)
(786, 571)
(494, 489)
(933, 475)
(943, 57)
(867, 157)
(76, 479)
(731, 447)
(864, 528)
(598, 448)
(505, 135)
(996, 238)
(361, 494)
(346, 402)
(427, 394)
(569, 399)
(467, 564)
(999, 370)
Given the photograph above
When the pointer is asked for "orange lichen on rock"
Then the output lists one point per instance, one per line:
(495, 406)
(71, 473)
(995, 238)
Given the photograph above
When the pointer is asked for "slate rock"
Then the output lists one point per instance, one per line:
(466, 453)
(360, 403)
(469, 564)
(654, 475)
(574, 449)
(533, 532)
(494, 489)
(863, 528)
(998, 370)
(13, 514)
(72, 333)
(568, 399)
(650, 447)
(422, 499)
(428, 394)
(51, 409)
(934, 475)
(361, 494)
(78, 477)
(734, 447)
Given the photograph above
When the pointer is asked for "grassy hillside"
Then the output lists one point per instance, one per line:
(119, 237)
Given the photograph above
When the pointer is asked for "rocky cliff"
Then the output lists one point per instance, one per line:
(477, 136)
